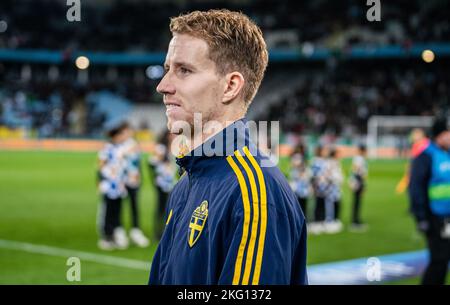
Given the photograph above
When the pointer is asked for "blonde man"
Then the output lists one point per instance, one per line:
(230, 219)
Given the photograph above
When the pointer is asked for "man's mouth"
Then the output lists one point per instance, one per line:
(171, 106)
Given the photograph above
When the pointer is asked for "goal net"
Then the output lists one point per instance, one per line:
(389, 135)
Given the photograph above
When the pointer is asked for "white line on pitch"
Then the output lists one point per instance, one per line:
(87, 256)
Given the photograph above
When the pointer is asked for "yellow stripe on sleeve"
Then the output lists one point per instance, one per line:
(168, 218)
(245, 199)
(263, 224)
(255, 201)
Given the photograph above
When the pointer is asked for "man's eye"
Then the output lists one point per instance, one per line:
(184, 70)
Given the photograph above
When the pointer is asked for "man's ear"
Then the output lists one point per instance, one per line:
(234, 82)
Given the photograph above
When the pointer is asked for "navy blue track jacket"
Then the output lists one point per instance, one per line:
(231, 220)
(420, 176)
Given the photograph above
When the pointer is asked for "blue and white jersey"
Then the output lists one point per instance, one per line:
(320, 183)
(359, 173)
(132, 155)
(112, 171)
(359, 166)
(300, 178)
(164, 169)
(165, 176)
(301, 185)
(335, 178)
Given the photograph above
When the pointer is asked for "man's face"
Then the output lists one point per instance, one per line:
(443, 140)
(191, 84)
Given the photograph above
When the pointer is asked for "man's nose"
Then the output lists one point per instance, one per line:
(165, 86)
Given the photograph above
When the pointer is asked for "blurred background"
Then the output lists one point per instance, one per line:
(334, 79)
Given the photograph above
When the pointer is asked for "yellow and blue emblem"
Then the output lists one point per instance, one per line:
(197, 223)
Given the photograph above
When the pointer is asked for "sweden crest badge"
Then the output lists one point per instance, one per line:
(197, 223)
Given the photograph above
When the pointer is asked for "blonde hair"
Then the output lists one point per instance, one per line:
(235, 44)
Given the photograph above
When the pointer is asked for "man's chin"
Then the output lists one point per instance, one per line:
(178, 126)
(175, 131)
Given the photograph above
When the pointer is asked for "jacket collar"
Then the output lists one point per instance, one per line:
(221, 145)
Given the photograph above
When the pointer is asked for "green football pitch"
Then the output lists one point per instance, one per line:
(48, 211)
